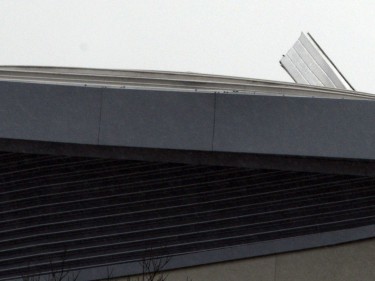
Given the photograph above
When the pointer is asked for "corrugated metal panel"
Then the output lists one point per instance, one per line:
(313, 65)
(99, 211)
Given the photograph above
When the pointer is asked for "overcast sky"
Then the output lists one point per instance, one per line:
(238, 37)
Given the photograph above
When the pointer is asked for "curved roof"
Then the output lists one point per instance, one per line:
(147, 79)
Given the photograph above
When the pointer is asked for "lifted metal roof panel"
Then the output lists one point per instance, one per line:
(298, 60)
(293, 71)
(313, 65)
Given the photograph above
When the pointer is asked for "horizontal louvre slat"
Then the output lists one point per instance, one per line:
(102, 211)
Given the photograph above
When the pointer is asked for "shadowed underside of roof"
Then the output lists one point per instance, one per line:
(95, 213)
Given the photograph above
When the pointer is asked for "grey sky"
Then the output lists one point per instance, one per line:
(238, 37)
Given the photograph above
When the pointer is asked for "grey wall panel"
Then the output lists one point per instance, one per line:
(256, 124)
(172, 120)
(49, 112)
(295, 126)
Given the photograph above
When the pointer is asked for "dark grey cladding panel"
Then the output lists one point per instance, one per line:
(295, 126)
(173, 120)
(49, 112)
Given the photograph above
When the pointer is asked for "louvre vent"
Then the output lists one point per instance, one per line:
(101, 211)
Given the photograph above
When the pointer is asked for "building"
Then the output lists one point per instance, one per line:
(102, 169)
